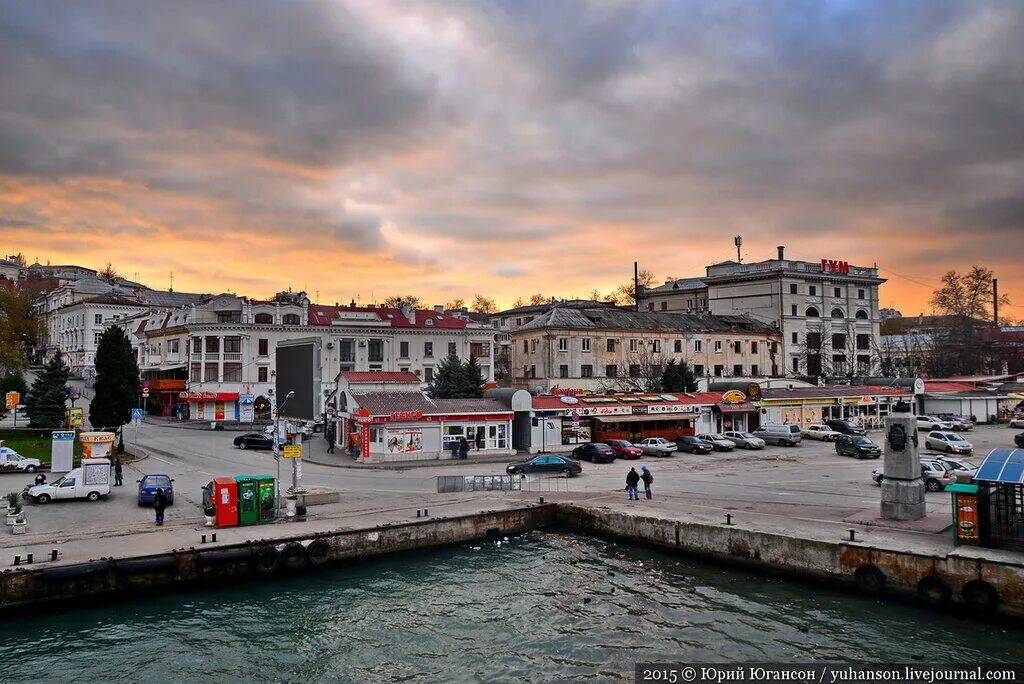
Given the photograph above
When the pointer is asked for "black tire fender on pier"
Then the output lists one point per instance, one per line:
(318, 552)
(934, 591)
(980, 596)
(293, 556)
(870, 578)
(267, 560)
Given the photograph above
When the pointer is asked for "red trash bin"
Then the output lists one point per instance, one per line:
(225, 493)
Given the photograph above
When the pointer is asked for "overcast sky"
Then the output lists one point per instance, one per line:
(362, 149)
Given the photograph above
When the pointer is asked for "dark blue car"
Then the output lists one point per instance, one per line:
(150, 483)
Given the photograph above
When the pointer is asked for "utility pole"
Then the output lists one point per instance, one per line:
(636, 286)
(277, 442)
(995, 301)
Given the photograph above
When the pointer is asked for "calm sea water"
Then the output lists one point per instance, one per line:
(515, 612)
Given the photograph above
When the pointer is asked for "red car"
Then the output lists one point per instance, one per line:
(623, 449)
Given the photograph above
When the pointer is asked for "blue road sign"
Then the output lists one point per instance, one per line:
(136, 414)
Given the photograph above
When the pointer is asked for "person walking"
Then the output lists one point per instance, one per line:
(118, 473)
(329, 434)
(159, 504)
(646, 476)
(632, 480)
(463, 448)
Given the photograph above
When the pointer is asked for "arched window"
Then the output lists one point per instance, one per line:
(263, 318)
(838, 313)
(812, 312)
(862, 315)
(291, 319)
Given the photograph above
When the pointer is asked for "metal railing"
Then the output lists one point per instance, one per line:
(447, 484)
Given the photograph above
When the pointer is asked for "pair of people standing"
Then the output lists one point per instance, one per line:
(633, 480)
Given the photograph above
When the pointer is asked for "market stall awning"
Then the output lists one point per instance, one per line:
(1002, 465)
(172, 366)
(646, 417)
(744, 407)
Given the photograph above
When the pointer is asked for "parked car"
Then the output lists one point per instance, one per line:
(857, 446)
(716, 442)
(12, 460)
(150, 483)
(625, 449)
(693, 445)
(254, 440)
(562, 465)
(595, 452)
(947, 441)
(782, 435)
(822, 432)
(744, 439)
(957, 465)
(959, 423)
(845, 427)
(1017, 422)
(929, 423)
(933, 472)
(656, 446)
(91, 481)
(1019, 440)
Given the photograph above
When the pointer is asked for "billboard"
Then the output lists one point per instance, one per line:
(298, 370)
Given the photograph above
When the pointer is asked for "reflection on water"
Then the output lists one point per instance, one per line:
(543, 607)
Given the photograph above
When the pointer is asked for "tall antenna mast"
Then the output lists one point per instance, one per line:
(171, 288)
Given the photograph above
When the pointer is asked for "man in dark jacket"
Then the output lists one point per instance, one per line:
(646, 476)
(632, 480)
(118, 473)
(159, 504)
(463, 448)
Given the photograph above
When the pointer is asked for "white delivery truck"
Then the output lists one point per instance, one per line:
(91, 480)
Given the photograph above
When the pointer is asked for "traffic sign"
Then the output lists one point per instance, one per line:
(292, 451)
(136, 414)
(145, 392)
(13, 399)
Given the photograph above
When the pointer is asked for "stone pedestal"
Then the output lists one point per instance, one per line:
(902, 488)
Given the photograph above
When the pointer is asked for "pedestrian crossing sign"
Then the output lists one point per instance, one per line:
(136, 414)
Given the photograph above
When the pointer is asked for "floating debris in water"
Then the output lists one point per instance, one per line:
(803, 629)
(587, 599)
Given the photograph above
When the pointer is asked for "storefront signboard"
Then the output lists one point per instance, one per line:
(407, 415)
(638, 410)
(399, 441)
(734, 397)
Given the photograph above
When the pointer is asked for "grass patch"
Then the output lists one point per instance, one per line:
(32, 443)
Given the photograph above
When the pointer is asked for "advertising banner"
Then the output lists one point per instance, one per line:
(218, 410)
(76, 417)
(246, 402)
(403, 441)
(13, 399)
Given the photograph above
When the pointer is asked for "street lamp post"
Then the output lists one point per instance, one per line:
(277, 443)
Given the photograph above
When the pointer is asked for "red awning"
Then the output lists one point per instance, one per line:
(744, 407)
(209, 396)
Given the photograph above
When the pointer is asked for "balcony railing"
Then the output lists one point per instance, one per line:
(232, 356)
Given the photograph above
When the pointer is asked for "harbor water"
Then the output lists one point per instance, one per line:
(541, 607)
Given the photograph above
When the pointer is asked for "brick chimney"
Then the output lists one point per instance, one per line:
(782, 252)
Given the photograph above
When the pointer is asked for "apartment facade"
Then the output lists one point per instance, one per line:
(613, 349)
(827, 310)
(216, 360)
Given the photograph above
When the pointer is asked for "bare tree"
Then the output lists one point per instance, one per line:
(538, 299)
(518, 303)
(395, 301)
(642, 372)
(967, 294)
(455, 304)
(109, 272)
(483, 304)
(626, 293)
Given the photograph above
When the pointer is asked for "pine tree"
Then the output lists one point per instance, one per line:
(678, 377)
(46, 403)
(447, 377)
(14, 382)
(472, 380)
(117, 381)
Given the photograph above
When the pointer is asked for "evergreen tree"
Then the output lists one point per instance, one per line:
(447, 377)
(678, 377)
(46, 403)
(14, 382)
(471, 383)
(117, 381)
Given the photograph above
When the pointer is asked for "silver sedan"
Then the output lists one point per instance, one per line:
(744, 440)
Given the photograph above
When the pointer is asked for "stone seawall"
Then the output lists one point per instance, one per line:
(274, 557)
(984, 585)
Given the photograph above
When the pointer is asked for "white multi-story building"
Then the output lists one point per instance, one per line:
(614, 349)
(218, 356)
(828, 311)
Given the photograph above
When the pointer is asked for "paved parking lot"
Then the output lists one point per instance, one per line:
(810, 480)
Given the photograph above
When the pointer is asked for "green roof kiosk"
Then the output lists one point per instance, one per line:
(248, 499)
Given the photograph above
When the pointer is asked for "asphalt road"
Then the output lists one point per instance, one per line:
(811, 476)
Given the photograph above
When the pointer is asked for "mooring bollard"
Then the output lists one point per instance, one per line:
(853, 534)
(53, 554)
(542, 499)
(728, 518)
(424, 512)
(17, 560)
(417, 512)
(28, 559)
(213, 537)
(203, 541)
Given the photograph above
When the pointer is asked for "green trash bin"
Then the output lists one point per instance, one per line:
(248, 499)
(267, 498)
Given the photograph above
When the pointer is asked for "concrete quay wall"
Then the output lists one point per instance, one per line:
(64, 583)
(984, 585)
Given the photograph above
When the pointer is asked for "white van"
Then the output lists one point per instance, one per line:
(89, 481)
(782, 435)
